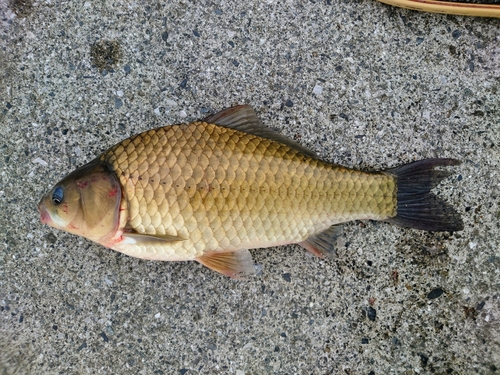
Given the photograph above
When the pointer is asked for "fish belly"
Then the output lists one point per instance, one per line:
(219, 189)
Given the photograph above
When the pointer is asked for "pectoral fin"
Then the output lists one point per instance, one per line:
(133, 238)
(234, 264)
(323, 244)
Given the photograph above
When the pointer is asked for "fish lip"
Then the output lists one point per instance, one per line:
(44, 214)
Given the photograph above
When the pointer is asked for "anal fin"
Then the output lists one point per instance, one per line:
(323, 244)
(234, 264)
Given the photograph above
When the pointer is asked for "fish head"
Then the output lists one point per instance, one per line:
(86, 203)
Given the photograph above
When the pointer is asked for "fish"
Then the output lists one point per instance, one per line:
(210, 190)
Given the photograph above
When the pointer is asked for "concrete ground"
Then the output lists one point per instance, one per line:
(361, 83)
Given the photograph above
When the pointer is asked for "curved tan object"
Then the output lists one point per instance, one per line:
(446, 7)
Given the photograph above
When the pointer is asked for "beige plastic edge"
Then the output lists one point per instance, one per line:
(446, 7)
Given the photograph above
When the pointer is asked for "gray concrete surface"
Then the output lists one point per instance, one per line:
(362, 84)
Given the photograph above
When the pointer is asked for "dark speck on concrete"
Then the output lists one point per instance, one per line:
(435, 293)
(424, 360)
(126, 69)
(51, 238)
(183, 371)
(83, 346)
(8, 105)
(183, 83)
(289, 103)
(371, 313)
(456, 34)
(196, 33)
(286, 277)
(164, 36)
(419, 40)
(364, 340)
(218, 12)
(104, 337)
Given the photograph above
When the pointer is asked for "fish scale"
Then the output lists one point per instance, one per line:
(255, 192)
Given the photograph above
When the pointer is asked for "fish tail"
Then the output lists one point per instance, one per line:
(417, 207)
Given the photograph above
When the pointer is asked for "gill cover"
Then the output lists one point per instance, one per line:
(90, 203)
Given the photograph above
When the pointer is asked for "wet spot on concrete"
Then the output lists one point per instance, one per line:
(22, 8)
(106, 54)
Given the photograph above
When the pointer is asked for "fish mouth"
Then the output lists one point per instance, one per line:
(44, 214)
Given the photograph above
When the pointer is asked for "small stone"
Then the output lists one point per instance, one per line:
(286, 277)
(371, 313)
(456, 34)
(51, 238)
(40, 161)
(119, 93)
(157, 315)
(289, 103)
(84, 345)
(317, 90)
(118, 103)
(435, 293)
(164, 36)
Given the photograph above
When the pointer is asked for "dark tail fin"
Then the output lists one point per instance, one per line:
(417, 207)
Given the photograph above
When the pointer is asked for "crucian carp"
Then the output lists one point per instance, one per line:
(212, 189)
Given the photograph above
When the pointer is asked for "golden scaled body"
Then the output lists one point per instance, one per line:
(223, 190)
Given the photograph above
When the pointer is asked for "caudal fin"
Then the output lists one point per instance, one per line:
(417, 207)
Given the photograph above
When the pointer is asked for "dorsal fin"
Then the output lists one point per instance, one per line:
(244, 119)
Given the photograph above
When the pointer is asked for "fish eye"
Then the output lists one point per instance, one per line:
(57, 195)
